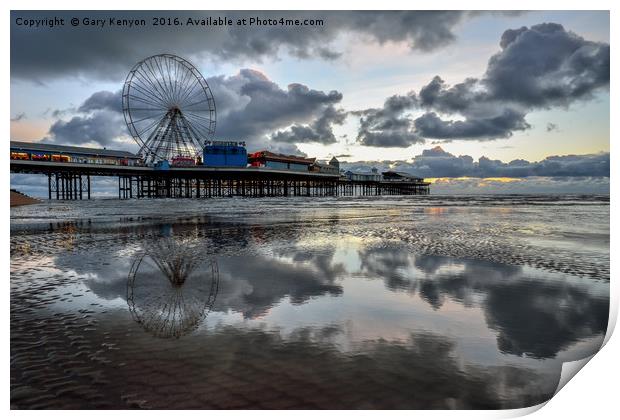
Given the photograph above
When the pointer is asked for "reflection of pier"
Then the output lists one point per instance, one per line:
(171, 286)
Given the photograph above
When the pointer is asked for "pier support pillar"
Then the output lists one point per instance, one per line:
(67, 186)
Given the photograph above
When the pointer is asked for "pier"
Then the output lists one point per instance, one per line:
(70, 170)
(72, 181)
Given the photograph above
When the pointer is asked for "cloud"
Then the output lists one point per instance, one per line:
(540, 67)
(552, 127)
(98, 122)
(319, 131)
(102, 100)
(530, 185)
(422, 30)
(437, 163)
(545, 65)
(250, 107)
(253, 107)
(492, 127)
(103, 128)
(34, 185)
(389, 126)
(108, 53)
(442, 163)
(19, 117)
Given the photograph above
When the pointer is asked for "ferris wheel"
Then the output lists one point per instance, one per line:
(168, 107)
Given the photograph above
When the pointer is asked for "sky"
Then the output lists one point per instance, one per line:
(520, 99)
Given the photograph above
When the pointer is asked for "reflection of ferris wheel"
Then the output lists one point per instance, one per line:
(171, 288)
(168, 107)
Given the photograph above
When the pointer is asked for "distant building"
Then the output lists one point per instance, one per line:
(334, 162)
(373, 175)
(400, 176)
(333, 167)
(266, 159)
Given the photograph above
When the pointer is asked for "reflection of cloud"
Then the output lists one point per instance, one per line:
(248, 284)
(389, 265)
(538, 321)
(253, 284)
(533, 316)
(533, 313)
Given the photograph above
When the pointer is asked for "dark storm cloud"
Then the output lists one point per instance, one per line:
(436, 160)
(318, 131)
(102, 100)
(389, 126)
(389, 138)
(422, 30)
(493, 127)
(546, 65)
(255, 106)
(457, 98)
(537, 68)
(250, 107)
(102, 127)
(437, 163)
(97, 120)
(42, 53)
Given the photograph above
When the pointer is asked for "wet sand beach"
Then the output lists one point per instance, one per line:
(406, 302)
(19, 199)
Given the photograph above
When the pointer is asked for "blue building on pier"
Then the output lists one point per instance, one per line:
(225, 154)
